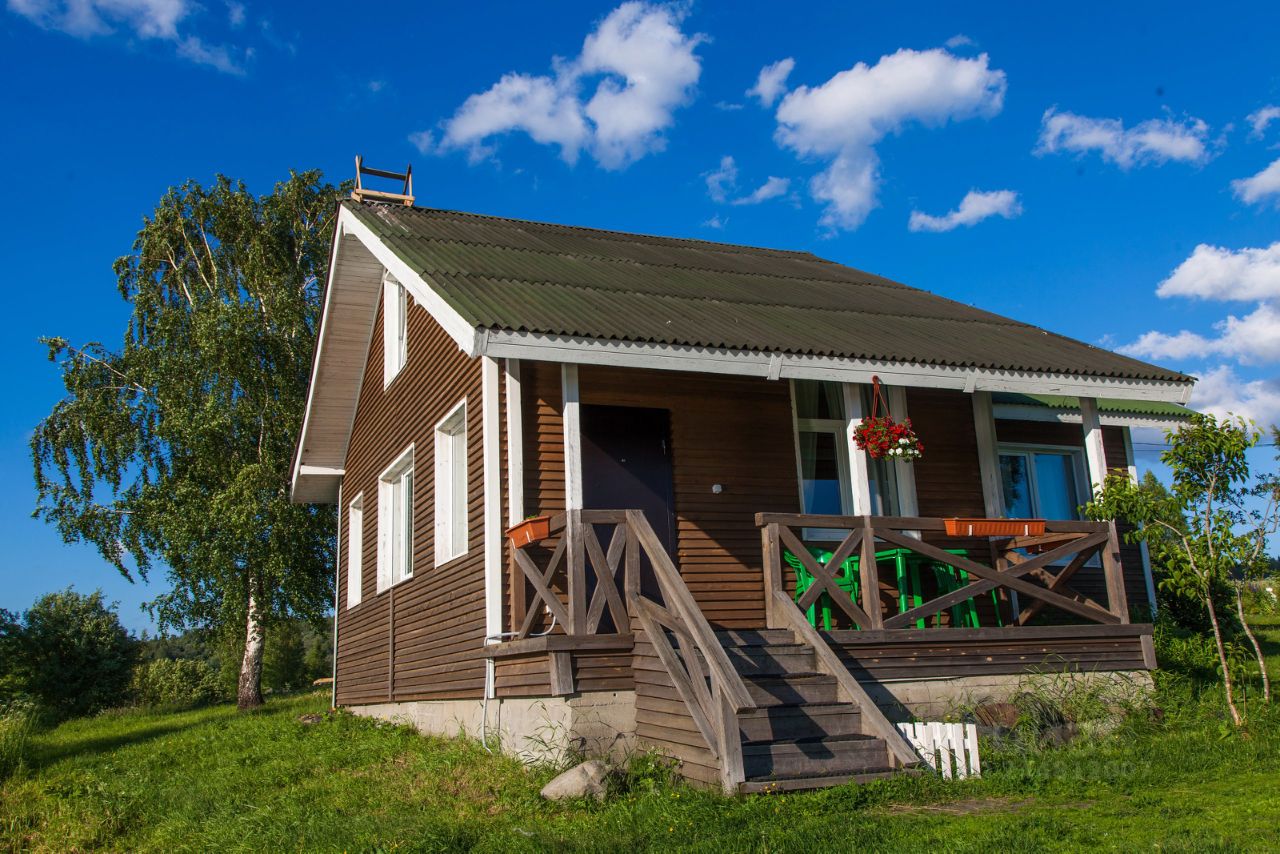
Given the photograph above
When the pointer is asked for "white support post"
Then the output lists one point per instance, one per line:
(858, 478)
(493, 527)
(571, 416)
(905, 472)
(984, 427)
(1142, 546)
(515, 444)
(1094, 451)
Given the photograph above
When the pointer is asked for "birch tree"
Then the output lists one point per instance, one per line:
(1210, 530)
(174, 449)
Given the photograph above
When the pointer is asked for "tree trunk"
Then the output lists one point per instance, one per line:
(1222, 659)
(249, 693)
(1257, 649)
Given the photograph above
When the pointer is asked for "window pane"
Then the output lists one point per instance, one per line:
(1056, 486)
(1015, 482)
(818, 399)
(397, 530)
(820, 470)
(407, 522)
(458, 535)
(883, 482)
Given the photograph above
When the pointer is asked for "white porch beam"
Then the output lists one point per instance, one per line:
(515, 443)
(904, 471)
(858, 476)
(493, 527)
(984, 426)
(1094, 451)
(1142, 545)
(571, 416)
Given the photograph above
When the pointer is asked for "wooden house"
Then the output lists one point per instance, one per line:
(720, 573)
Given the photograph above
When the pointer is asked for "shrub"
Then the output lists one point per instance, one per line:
(175, 683)
(70, 653)
(17, 720)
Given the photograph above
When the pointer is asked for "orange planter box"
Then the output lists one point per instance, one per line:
(530, 531)
(994, 527)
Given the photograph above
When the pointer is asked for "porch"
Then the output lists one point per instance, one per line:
(601, 605)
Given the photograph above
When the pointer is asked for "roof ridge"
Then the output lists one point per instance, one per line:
(999, 320)
(733, 248)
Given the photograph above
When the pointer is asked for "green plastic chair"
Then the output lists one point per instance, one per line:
(907, 570)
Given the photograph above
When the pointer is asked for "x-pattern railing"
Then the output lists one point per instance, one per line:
(1076, 543)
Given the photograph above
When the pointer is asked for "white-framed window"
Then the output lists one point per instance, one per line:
(395, 522)
(1042, 481)
(822, 451)
(395, 328)
(355, 550)
(451, 485)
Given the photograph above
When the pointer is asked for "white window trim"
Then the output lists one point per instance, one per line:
(404, 462)
(355, 551)
(395, 328)
(444, 488)
(1027, 448)
(837, 427)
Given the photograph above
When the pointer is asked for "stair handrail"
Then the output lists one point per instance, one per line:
(714, 712)
(829, 662)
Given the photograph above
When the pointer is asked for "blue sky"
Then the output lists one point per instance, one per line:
(1110, 149)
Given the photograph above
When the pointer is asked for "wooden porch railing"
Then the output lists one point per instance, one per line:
(682, 639)
(1074, 543)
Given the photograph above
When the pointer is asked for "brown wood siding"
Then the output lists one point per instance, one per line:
(948, 476)
(433, 623)
(734, 431)
(1089, 581)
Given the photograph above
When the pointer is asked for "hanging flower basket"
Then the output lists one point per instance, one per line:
(882, 437)
(535, 529)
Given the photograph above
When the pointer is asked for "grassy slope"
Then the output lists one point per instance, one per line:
(213, 779)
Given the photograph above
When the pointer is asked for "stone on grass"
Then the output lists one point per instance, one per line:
(580, 781)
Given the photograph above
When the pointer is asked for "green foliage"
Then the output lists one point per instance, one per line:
(284, 661)
(181, 781)
(177, 683)
(175, 447)
(17, 722)
(69, 653)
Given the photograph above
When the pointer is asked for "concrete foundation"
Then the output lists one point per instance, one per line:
(595, 724)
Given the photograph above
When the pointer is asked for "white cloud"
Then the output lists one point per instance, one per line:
(843, 119)
(771, 82)
(1261, 118)
(1218, 273)
(647, 67)
(1261, 187)
(770, 189)
(214, 56)
(723, 180)
(145, 19)
(716, 222)
(959, 40)
(235, 14)
(1221, 391)
(1251, 340)
(728, 106)
(974, 208)
(424, 141)
(1154, 141)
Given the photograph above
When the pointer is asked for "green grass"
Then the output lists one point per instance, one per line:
(213, 779)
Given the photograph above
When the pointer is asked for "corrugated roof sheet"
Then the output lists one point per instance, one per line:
(1128, 407)
(564, 280)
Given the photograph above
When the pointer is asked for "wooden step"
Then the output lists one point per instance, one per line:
(848, 754)
(792, 689)
(821, 781)
(771, 660)
(810, 720)
(755, 637)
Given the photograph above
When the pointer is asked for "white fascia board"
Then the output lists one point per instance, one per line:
(462, 331)
(1023, 412)
(319, 354)
(554, 348)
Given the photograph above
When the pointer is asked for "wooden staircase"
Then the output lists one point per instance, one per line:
(801, 735)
